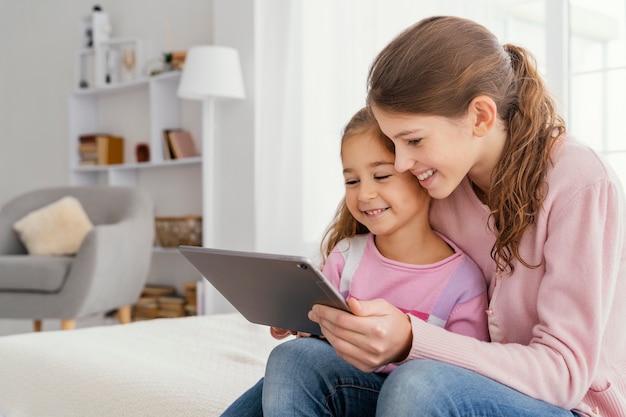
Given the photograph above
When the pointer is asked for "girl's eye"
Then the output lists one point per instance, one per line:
(351, 182)
(381, 177)
(413, 142)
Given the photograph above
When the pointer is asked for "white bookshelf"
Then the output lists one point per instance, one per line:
(139, 111)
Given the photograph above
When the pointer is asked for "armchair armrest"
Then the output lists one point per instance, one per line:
(101, 278)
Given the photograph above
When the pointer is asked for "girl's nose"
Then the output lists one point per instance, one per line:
(367, 192)
(402, 162)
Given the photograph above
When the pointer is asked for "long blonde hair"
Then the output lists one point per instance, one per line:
(344, 225)
(437, 67)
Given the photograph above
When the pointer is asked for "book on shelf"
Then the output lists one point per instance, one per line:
(89, 140)
(146, 308)
(180, 143)
(167, 149)
(110, 150)
(153, 290)
(100, 149)
(172, 304)
(88, 150)
(165, 314)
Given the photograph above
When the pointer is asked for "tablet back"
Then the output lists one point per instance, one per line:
(270, 289)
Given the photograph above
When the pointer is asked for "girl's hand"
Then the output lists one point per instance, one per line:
(376, 334)
(278, 333)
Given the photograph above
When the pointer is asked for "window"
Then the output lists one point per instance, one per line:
(598, 77)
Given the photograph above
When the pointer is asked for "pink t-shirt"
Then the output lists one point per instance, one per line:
(450, 293)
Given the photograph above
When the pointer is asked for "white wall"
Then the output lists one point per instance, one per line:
(39, 40)
(38, 44)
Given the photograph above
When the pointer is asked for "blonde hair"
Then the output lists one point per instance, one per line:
(437, 67)
(344, 225)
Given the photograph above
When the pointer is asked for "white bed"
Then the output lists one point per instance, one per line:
(192, 366)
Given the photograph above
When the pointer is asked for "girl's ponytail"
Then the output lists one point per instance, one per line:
(517, 190)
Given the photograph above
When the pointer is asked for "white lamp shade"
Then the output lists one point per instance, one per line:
(211, 71)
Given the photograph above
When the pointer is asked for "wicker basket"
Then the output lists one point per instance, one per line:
(174, 231)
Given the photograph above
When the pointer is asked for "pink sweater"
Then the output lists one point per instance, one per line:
(558, 331)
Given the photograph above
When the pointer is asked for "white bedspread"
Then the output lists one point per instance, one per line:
(193, 366)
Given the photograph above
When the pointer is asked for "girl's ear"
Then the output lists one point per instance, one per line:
(484, 112)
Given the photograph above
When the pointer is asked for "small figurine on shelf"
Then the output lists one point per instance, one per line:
(112, 65)
(96, 27)
(128, 60)
(175, 60)
(168, 61)
(83, 83)
(142, 151)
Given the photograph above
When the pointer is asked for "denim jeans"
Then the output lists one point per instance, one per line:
(304, 377)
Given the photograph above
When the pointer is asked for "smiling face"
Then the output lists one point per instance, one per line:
(387, 202)
(439, 151)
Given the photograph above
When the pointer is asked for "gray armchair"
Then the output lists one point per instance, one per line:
(107, 273)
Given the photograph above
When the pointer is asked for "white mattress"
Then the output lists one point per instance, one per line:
(193, 366)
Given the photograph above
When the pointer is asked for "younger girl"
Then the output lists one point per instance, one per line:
(381, 245)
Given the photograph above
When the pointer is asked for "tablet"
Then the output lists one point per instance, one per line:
(270, 289)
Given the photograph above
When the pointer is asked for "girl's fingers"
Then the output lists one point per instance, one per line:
(376, 334)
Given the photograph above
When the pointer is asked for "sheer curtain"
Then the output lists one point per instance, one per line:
(312, 61)
(278, 120)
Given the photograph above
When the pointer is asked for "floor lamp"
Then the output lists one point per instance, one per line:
(210, 73)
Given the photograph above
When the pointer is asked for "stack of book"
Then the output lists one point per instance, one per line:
(172, 306)
(100, 149)
(148, 307)
(162, 301)
(178, 143)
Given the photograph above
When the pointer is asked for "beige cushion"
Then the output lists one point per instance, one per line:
(58, 228)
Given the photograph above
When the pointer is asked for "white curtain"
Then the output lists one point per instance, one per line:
(278, 150)
(312, 61)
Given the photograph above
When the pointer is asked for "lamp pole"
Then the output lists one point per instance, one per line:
(208, 172)
(209, 298)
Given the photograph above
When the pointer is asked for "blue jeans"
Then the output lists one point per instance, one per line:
(304, 377)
